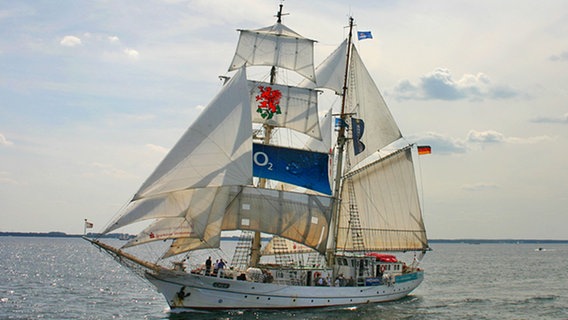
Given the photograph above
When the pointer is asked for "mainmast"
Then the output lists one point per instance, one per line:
(341, 140)
(256, 241)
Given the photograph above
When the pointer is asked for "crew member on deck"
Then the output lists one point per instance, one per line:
(208, 266)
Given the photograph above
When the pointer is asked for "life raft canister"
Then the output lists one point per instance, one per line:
(382, 257)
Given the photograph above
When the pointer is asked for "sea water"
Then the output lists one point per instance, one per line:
(67, 278)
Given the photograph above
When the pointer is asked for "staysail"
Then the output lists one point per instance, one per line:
(199, 211)
(214, 151)
(331, 72)
(364, 100)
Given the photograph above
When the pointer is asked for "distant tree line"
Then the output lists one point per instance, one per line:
(56, 234)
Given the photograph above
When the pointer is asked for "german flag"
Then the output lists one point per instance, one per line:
(424, 150)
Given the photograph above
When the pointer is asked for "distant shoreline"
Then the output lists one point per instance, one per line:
(125, 235)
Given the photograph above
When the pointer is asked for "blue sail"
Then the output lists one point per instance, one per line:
(302, 168)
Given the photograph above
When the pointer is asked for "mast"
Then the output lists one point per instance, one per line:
(256, 240)
(341, 140)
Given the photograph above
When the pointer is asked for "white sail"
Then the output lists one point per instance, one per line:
(387, 205)
(323, 145)
(209, 235)
(182, 245)
(296, 216)
(163, 229)
(184, 214)
(173, 204)
(298, 106)
(365, 102)
(278, 246)
(278, 46)
(330, 73)
(216, 150)
(201, 214)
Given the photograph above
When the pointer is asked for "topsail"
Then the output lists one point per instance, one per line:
(277, 46)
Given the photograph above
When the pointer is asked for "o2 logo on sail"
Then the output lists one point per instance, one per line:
(261, 159)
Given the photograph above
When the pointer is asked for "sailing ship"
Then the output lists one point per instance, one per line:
(317, 225)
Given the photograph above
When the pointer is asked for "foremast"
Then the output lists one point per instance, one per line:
(256, 240)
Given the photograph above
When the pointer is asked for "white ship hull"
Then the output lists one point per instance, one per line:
(193, 291)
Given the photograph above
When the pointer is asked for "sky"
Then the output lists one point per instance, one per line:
(94, 93)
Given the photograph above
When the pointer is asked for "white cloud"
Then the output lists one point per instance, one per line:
(157, 148)
(440, 85)
(488, 136)
(530, 140)
(560, 119)
(5, 179)
(113, 39)
(441, 144)
(491, 136)
(70, 41)
(109, 170)
(131, 53)
(139, 117)
(559, 57)
(480, 186)
(4, 141)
